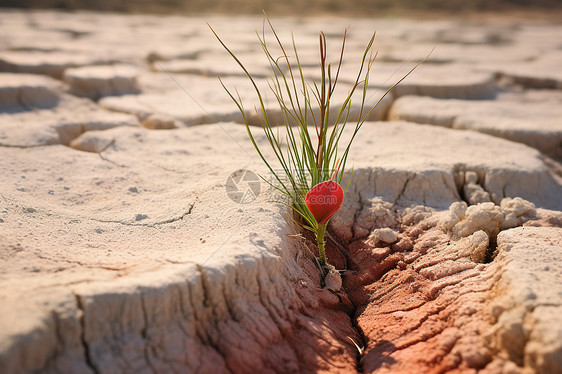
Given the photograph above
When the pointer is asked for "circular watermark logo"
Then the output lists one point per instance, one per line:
(243, 186)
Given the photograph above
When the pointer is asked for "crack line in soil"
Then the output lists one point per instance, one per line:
(152, 225)
(87, 351)
(362, 344)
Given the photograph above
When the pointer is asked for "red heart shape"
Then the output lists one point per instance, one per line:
(324, 200)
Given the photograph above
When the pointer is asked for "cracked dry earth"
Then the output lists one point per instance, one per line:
(120, 251)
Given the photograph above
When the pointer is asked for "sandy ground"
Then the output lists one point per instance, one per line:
(130, 241)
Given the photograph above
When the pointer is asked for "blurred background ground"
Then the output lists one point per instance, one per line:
(380, 8)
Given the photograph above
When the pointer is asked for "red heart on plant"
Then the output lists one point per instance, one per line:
(324, 200)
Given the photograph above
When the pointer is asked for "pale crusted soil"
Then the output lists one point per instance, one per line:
(121, 252)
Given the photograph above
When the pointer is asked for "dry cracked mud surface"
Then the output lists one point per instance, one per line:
(121, 251)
